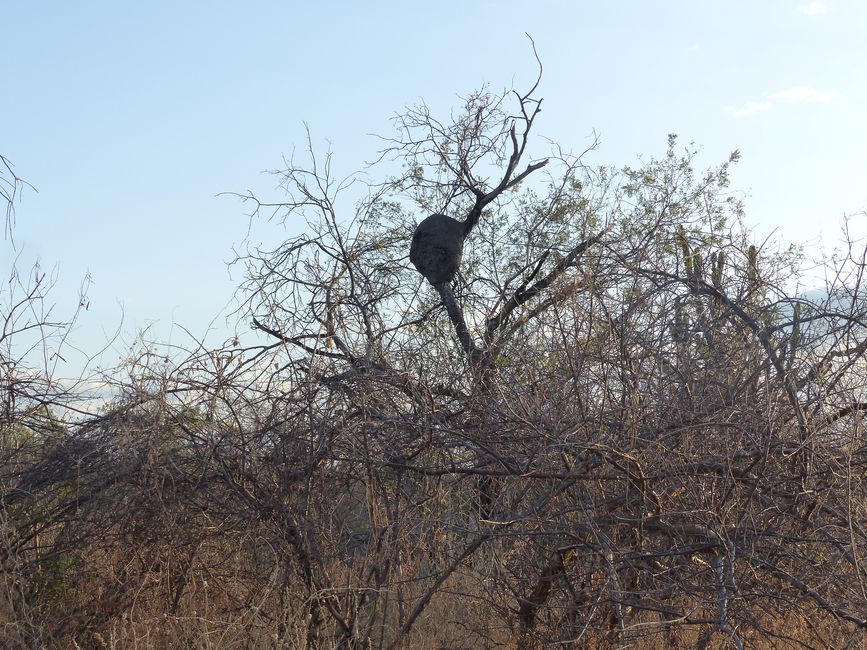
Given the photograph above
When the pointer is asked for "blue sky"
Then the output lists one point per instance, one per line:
(130, 118)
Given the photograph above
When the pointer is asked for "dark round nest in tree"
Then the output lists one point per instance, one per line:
(437, 246)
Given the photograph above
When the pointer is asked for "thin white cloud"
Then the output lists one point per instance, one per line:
(814, 9)
(793, 95)
(749, 108)
(807, 94)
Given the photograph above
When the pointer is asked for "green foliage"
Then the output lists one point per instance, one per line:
(54, 578)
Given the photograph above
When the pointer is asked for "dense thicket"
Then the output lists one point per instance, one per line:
(656, 436)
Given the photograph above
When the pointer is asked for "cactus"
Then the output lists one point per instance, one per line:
(717, 263)
(697, 266)
(795, 339)
(680, 324)
(684, 246)
(753, 265)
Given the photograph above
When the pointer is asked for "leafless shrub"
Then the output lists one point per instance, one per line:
(653, 437)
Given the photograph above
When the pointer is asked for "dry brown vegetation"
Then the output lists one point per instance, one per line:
(653, 438)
